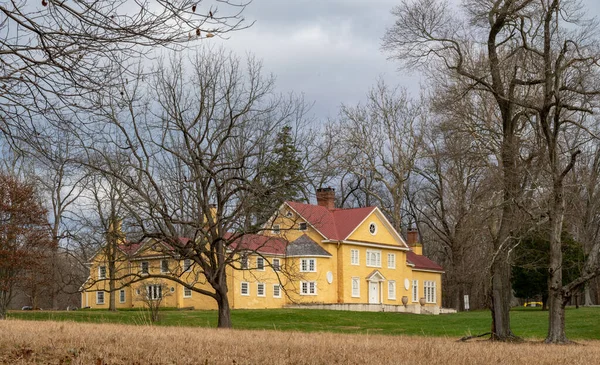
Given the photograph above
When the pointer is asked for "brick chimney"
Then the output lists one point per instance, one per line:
(412, 239)
(326, 198)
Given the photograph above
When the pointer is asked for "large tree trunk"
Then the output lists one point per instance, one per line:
(501, 291)
(224, 310)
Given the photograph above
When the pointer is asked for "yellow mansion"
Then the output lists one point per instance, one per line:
(314, 255)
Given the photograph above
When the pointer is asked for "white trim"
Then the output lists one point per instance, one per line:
(102, 277)
(374, 228)
(369, 262)
(388, 260)
(98, 302)
(263, 263)
(360, 224)
(308, 287)
(377, 245)
(308, 261)
(187, 296)
(276, 268)
(392, 283)
(357, 281)
(247, 288)
(147, 267)
(415, 290)
(264, 290)
(424, 270)
(122, 291)
(275, 287)
(353, 251)
(276, 230)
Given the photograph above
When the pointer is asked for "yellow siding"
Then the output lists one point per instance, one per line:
(383, 235)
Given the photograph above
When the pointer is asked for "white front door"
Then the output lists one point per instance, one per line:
(373, 292)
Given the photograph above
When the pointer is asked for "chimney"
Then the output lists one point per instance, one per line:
(326, 198)
(412, 238)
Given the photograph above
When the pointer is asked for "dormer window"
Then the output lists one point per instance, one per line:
(372, 228)
(302, 226)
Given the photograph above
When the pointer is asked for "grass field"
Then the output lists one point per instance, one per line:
(582, 323)
(26, 342)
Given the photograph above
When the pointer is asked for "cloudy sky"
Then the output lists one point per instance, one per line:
(327, 49)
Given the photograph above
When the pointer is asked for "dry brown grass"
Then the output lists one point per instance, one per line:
(24, 342)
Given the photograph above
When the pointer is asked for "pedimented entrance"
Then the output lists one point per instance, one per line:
(375, 279)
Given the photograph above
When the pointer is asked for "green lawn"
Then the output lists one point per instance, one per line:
(582, 323)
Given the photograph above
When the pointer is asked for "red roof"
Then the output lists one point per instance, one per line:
(422, 262)
(260, 243)
(334, 224)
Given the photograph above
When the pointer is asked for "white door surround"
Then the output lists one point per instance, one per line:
(375, 294)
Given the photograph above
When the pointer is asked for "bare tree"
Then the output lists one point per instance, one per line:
(152, 293)
(53, 51)
(378, 144)
(193, 161)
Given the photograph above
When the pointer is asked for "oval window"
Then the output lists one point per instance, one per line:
(372, 228)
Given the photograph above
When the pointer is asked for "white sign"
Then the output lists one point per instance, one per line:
(466, 302)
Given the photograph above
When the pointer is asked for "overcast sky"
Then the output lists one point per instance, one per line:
(327, 49)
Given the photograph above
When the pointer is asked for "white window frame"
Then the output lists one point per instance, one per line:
(122, 297)
(164, 268)
(187, 292)
(429, 292)
(147, 267)
(354, 257)
(392, 290)
(101, 272)
(276, 291)
(261, 287)
(245, 285)
(276, 264)
(260, 264)
(187, 265)
(302, 226)
(100, 297)
(276, 229)
(373, 225)
(374, 258)
(154, 292)
(356, 287)
(391, 263)
(308, 288)
(244, 261)
(415, 290)
(308, 265)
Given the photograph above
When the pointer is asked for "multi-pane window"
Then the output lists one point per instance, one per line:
(415, 290)
(308, 265)
(164, 266)
(100, 297)
(102, 272)
(260, 263)
(144, 267)
(302, 226)
(276, 265)
(122, 296)
(356, 287)
(276, 291)
(244, 261)
(308, 287)
(373, 258)
(276, 229)
(391, 290)
(354, 257)
(187, 265)
(391, 260)
(187, 292)
(245, 288)
(154, 292)
(429, 291)
(260, 289)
